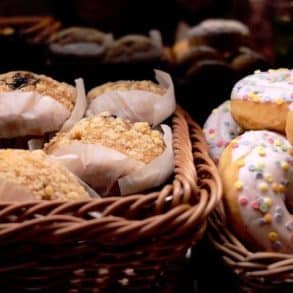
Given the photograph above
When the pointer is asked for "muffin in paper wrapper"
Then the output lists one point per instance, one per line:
(30, 113)
(102, 167)
(138, 105)
(11, 191)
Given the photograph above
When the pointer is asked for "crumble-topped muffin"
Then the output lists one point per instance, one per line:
(26, 81)
(36, 173)
(126, 85)
(136, 140)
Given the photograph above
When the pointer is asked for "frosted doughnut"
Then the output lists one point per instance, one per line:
(289, 124)
(219, 129)
(261, 100)
(257, 174)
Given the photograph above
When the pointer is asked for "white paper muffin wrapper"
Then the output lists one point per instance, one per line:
(153, 174)
(138, 105)
(29, 113)
(25, 113)
(77, 113)
(11, 191)
(79, 107)
(101, 167)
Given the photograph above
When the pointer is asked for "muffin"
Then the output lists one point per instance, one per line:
(26, 175)
(104, 151)
(135, 100)
(126, 85)
(33, 105)
(78, 49)
(135, 57)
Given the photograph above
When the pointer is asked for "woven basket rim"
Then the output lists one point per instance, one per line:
(36, 29)
(259, 269)
(195, 175)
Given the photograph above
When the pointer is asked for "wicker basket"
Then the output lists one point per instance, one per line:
(115, 243)
(257, 271)
(35, 29)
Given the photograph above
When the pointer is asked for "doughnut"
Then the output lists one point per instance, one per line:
(219, 129)
(256, 170)
(261, 100)
(289, 124)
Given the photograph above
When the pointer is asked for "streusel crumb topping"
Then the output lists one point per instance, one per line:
(47, 180)
(27, 81)
(144, 85)
(136, 140)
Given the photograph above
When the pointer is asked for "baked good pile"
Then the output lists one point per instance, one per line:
(108, 142)
(250, 138)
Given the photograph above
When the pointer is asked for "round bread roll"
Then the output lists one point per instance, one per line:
(33, 104)
(196, 55)
(80, 42)
(261, 100)
(102, 150)
(135, 48)
(247, 61)
(223, 34)
(256, 169)
(26, 175)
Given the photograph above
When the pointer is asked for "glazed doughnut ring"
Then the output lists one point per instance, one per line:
(261, 100)
(219, 129)
(257, 174)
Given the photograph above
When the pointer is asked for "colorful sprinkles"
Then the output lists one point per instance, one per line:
(219, 129)
(266, 156)
(273, 86)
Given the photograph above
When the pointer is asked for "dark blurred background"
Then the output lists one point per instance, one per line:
(129, 16)
(271, 26)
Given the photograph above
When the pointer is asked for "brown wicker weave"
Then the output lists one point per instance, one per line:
(115, 243)
(36, 29)
(257, 270)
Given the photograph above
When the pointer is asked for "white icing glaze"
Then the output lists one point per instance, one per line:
(275, 86)
(219, 129)
(264, 180)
